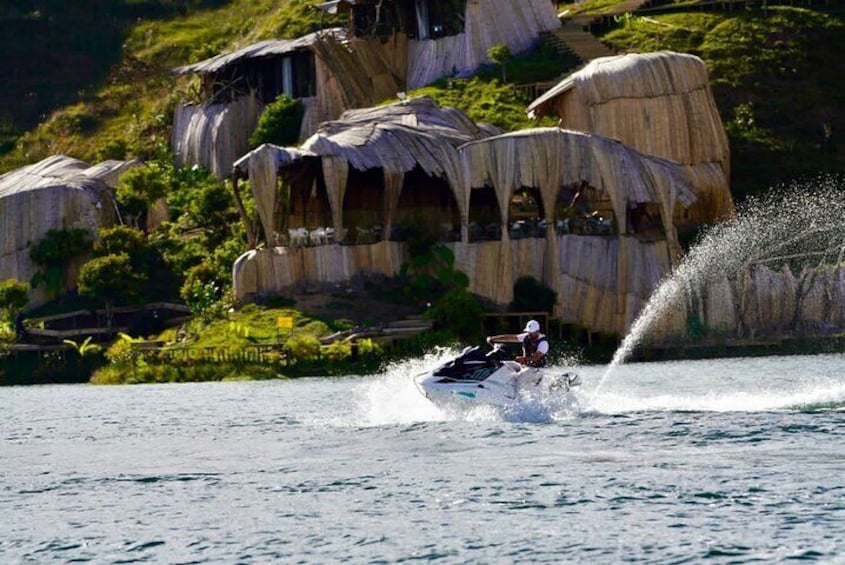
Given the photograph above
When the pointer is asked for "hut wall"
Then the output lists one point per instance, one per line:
(56, 193)
(359, 73)
(515, 23)
(214, 135)
(761, 303)
(660, 104)
(586, 283)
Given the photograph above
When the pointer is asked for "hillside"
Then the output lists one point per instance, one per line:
(99, 86)
(92, 78)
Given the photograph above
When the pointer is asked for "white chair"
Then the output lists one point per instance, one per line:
(318, 236)
(298, 237)
(330, 235)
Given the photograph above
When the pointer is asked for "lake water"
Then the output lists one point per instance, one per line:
(723, 461)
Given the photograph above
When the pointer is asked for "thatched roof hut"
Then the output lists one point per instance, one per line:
(394, 140)
(658, 103)
(396, 146)
(236, 86)
(423, 40)
(550, 159)
(56, 193)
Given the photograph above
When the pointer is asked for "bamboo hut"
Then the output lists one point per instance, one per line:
(658, 103)
(235, 87)
(364, 182)
(56, 193)
(423, 40)
(602, 277)
(375, 171)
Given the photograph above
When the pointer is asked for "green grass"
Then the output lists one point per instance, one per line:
(119, 89)
(778, 79)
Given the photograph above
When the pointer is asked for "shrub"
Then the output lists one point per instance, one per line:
(123, 239)
(303, 348)
(279, 124)
(530, 295)
(339, 351)
(458, 312)
(368, 348)
(139, 188)
(109, 279)
(13, 298)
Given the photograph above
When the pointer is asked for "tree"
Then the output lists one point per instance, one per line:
(139, 188)
(121, 239)
(109, 279)
(280, 123)
(530, 295)
(13, 298)
(500, 54)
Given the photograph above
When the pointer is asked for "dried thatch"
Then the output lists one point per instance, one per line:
(658, 103)
(761, 302)
(262, 49)
(214, 134)
(550, 158)
(417, 60)
(515, 23)
(56, 193)
(395, 139)
(617, 272)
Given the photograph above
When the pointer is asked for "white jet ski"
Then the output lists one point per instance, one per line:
(492, 378)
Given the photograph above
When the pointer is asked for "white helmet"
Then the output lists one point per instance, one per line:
(532, 326)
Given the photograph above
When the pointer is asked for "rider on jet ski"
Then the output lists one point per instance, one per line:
(535, 346)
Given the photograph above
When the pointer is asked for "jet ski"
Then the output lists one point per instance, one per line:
(494, 378)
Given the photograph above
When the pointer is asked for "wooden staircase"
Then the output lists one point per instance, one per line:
(574, 34)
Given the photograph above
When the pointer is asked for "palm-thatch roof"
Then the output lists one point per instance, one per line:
(268, 48)
(658, 103)
(396, 138)
(549, 158)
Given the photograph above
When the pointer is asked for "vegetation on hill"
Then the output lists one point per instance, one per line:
(93, 76)
(779, 80)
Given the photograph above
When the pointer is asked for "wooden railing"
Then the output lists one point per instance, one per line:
(247, 354)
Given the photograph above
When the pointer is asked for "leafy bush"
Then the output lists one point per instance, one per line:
(458, 312)
(303, 348)
(139, 188)
(431, 272)
(13, 298)
(368, 347)
(530, 295)
(202, 298)
(339, 351)
(279, 123)
(110, 278)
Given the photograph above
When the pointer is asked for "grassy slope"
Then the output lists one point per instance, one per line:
(778, 79)
(126, 107)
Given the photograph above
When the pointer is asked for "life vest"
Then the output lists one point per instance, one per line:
(529, 348)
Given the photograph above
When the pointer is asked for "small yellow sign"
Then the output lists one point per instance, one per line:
(284, 322)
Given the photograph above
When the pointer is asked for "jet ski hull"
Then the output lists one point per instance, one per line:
(471, 380)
